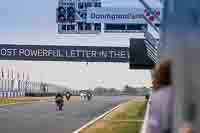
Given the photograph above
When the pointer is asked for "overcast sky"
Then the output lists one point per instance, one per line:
(34, 22)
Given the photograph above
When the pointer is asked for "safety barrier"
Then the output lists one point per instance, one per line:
(11, 93)
(145, 124)
(15, 88)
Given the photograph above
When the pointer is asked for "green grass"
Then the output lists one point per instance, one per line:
(121, 120)
(7, 101)
(13, 100)
(131, 111)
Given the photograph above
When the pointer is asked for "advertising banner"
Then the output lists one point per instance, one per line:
(139, 58)
(118, 15)
(115, 15)
(64, 53)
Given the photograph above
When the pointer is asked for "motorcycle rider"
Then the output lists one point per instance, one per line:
(89, 96)
(68, 95)
(59, 101)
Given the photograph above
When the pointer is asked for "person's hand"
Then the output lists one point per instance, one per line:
(186, 128)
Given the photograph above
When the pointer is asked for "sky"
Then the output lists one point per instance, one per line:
(34, 22)
(39, 15)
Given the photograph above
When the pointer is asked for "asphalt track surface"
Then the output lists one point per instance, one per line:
(42, 117)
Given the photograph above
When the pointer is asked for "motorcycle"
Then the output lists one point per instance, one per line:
(68, 96)
(89, 96)
(60, 107)
(59, 104)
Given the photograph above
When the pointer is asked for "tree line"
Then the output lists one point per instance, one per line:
(126, 90)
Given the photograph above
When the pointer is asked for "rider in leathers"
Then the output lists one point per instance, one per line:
(59, 101)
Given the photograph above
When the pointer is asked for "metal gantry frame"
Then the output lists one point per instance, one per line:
(150, 41)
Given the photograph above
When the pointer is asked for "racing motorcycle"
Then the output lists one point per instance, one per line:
(59, 102)
(68, 96)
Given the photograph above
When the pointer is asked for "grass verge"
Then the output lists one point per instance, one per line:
(13, 100)
(126, 119)
(7, 101)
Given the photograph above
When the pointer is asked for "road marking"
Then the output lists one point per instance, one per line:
(98, 118)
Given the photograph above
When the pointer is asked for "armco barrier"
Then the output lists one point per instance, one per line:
(15, 88)
(146, 118)
(18, 93)
(8, 93)
(11, 94)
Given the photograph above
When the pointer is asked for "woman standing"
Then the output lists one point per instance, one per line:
(162, 99)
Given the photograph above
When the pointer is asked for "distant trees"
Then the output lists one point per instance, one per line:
(128, 90)
(113, 91)
(99, 91)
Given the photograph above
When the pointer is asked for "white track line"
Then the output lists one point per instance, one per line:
(98, 118)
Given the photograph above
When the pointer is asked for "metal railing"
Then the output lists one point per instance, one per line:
(13, 87)
(152, 46)
(145, 124)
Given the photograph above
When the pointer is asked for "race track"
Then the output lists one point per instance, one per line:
(43, 118)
